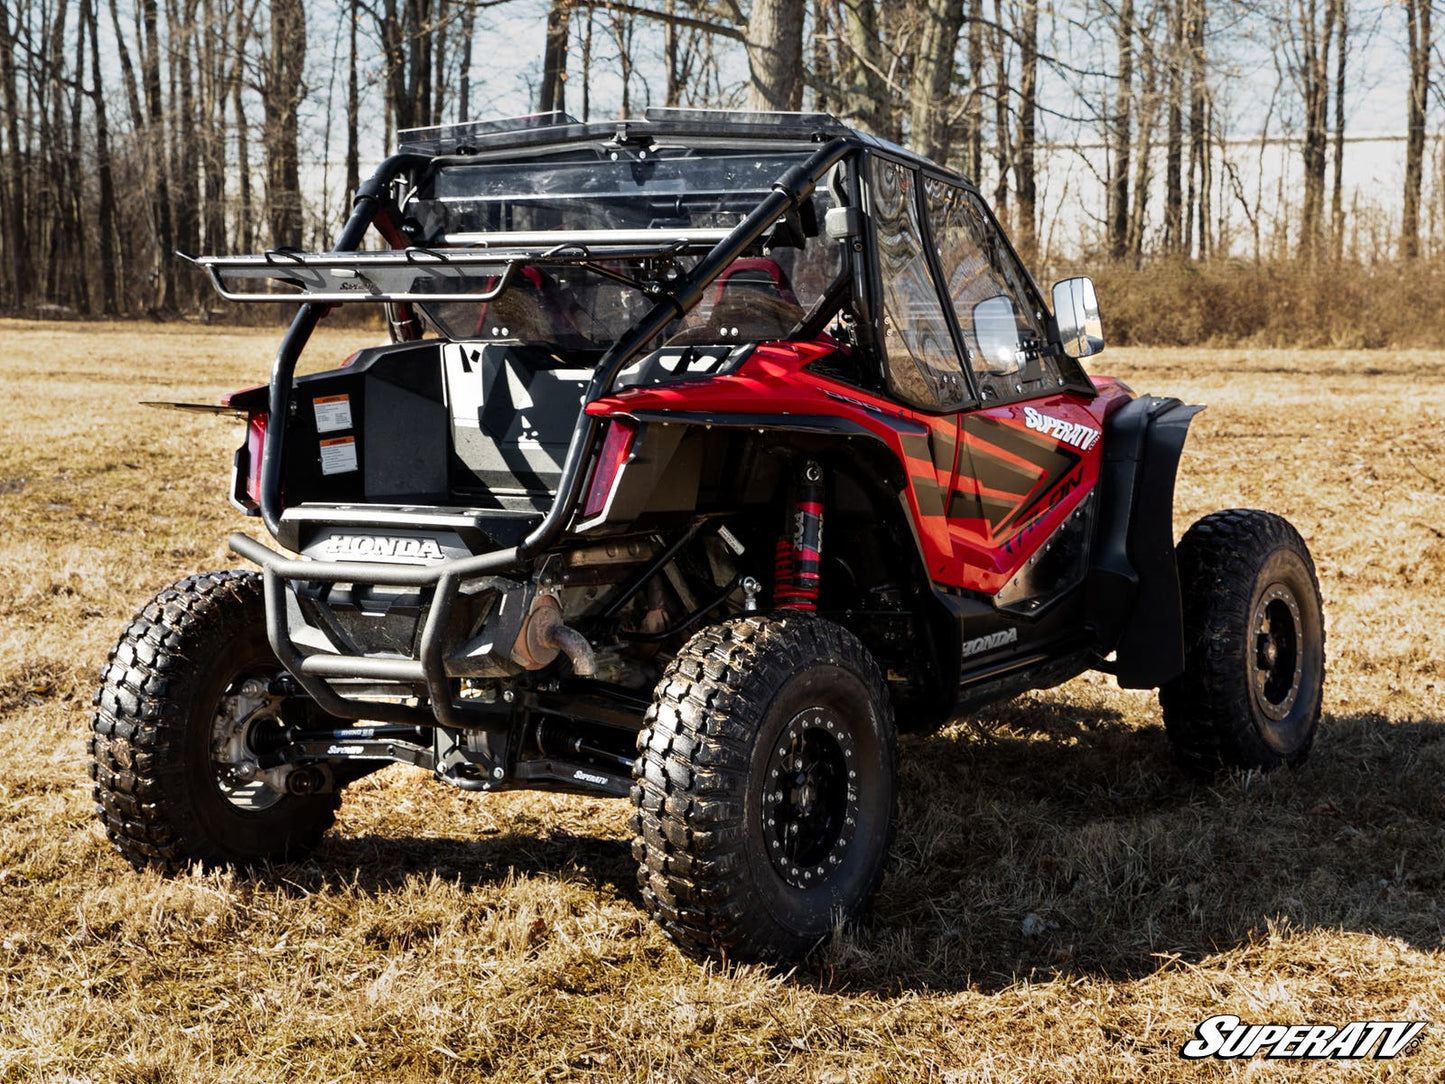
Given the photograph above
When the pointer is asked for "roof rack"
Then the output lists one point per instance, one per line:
(557, 127)
(447, 138)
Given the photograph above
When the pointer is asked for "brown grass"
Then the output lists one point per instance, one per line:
(1282, 303)
(455, 936)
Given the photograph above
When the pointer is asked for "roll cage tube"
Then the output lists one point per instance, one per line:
(788, 193)
(364, 208)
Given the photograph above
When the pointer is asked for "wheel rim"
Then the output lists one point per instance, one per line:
(247, 722)
(1276, 656)
(810, 804)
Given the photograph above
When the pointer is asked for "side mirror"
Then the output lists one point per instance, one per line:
(1076, 312)
(996, 330)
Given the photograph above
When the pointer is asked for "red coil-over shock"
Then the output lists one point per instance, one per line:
(797, 569)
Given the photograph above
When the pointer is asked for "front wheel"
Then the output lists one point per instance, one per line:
(187, 708)
(1254, 643)
(765, 788)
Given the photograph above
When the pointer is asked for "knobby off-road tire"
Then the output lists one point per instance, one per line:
(1254, 644)
(765, 788)
(163, 797)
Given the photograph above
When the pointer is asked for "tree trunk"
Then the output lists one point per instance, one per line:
(353, 105)
(439, 65)
(973, 105)
(1025, 183)
(245, 225)
(282, 132)
(929, 92)
(1173, 150)
(864, 94)
(1417, 29)
(213, 136)
(464, 90)
(1337, 199)
(553, 92)
(156, 160)
(1003, 151)
(1198, 131)
(188, 200)
(1118, 211)
(587, 68)
(775, 55)
(110, 287)
(17, 246)
(1314, 40)
(824, 76)
(1144, 140)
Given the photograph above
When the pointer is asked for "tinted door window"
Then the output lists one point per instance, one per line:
(923, 367)
(1003, 334)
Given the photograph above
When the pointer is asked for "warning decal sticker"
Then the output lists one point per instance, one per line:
(333, 412)
(338, 455)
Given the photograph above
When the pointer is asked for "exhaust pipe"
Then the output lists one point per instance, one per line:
(545, 633)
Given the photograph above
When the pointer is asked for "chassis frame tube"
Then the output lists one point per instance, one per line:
(788, 193)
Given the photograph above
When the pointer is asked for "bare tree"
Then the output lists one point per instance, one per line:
(1418, 46)
(775, 54)
(282, 92)
(929, 91)
(864, 94)
(1337, 195)
(1025, 166)
(1307, 46)
(1174, 139)
(1118, 210)
(552, 94)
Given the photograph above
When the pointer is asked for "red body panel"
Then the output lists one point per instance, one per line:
(985, 488)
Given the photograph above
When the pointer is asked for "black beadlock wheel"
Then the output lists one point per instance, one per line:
(1254, 643)
(183, 709)
(765, 788)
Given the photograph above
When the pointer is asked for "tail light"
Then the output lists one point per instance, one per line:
(255, 444)
(616, 447)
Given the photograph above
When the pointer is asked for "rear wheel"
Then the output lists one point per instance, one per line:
(186, 710)
(1254, 644)
(765, 788)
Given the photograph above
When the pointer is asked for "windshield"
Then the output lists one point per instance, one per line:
(653, 199)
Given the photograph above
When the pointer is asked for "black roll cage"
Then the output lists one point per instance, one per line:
(788, 193)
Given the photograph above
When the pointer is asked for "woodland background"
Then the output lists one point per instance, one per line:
(1204, 147)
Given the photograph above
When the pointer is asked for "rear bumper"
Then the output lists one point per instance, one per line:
(428, 667)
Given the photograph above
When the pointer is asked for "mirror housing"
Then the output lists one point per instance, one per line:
(843, 223)
(1076, 315)
(996, 330)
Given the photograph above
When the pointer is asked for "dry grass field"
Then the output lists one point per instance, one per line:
(441, 935)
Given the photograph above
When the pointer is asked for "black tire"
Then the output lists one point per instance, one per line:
(1254, 644)
(163, 796)
(730, 865)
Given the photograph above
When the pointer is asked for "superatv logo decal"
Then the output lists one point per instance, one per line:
(988, 643)
(1078, 436)
(366, 547)
(1226, 1036)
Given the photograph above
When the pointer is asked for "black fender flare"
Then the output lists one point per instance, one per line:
(1133, 587)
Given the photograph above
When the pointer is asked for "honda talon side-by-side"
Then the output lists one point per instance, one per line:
(709, 450)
